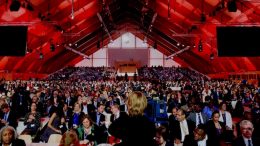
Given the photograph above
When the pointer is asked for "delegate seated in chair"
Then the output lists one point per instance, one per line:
(32, 121)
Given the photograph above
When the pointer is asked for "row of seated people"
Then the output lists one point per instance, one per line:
(77, 119)
(145, 73)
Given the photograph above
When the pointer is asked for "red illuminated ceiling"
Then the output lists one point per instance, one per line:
(176, 21)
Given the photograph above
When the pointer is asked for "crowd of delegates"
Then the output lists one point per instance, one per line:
(84, 73)
(202, 110)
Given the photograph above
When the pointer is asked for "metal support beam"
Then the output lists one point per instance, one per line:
(77, 52)
(150, 26)
(179, 52)
(104, 26)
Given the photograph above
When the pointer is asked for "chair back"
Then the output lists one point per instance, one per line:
(55, 138)
(27, 138)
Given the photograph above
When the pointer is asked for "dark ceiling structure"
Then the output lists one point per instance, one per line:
(88, 25)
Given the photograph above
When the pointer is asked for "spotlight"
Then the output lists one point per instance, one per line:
(200, 47)
(76, 45)
(178, 44)
(28, 50)
(70, 44)
(41, 56)
(211, 56)
(15, 5)
(52, 47)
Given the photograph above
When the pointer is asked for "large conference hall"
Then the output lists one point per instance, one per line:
(129, 72)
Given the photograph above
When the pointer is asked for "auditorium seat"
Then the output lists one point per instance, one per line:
(27, 138)
(55, 138)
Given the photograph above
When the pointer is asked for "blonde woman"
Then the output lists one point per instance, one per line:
(135, 129)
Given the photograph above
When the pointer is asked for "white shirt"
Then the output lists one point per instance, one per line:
(197, 119)
(229, 122)
(246, 141)
(116, 115)
(9, 145)
(203, 142)
(85, 109)
(184, 129)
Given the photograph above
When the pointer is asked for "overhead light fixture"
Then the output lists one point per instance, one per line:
(200, 47)
(72, 9)
(15, 5)
(41, 56)
(211, 56)
(232, 6)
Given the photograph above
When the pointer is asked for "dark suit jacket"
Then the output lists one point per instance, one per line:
(17, 142)
(12, 119)
(94, 118)
(90, 107)
(71, 101)
(133, 131)
(239, 141)
(175, 132)
(121, 115)
(213, 136)
(123, 108)
(192, 117)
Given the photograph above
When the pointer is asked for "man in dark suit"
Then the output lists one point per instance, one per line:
(181, 128)
(111, 101)
(8, 117)
(197, 116)
(99, 118)
(69, 100)
(8, 137)
(116, 114)
(246, 138)
(20, 101)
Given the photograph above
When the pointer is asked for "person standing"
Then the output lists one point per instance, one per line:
(135, 129)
